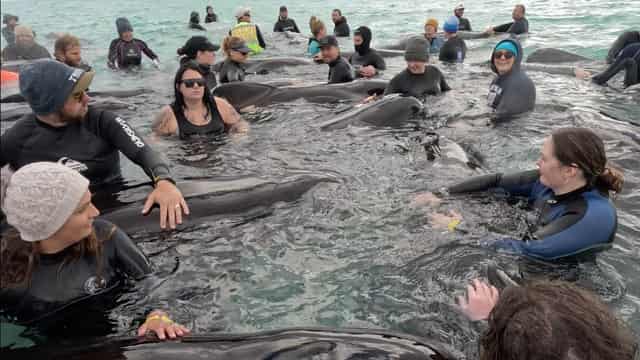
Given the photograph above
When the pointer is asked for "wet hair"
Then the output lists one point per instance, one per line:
(316, 25)
(179, 99)
(583, 148)
(229, 43)
(65, 42)
(554, 321)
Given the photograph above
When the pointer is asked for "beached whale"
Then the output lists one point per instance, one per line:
(17, 98)
(554, 56)
(14, 111)
(253, 66)
(244, 94)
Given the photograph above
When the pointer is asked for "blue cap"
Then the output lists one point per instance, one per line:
(451, 24)
(508, 46)
(46, 84)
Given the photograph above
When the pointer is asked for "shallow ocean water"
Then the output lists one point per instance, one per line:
(354, 253)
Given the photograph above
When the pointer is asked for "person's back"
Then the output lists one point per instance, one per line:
(454, 50)
(247, 31)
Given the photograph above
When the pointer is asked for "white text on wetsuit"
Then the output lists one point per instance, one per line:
(127, 129)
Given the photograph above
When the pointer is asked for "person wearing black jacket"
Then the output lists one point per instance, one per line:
(339, 69)
(519, 25)
(341, 28)
(367, 62)
(201, 50)
(211, 16)
(64, 128)
(194, 21)
(126, 51)
(285, 23)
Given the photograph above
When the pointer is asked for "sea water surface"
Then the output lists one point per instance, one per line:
(355, 253)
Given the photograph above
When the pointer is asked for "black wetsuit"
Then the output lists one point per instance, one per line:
(626, 38)
(340, 71)
(431, 82)
(196, 26)
(580, 222)
(512, 93)
(231, 71)
(453, 50)
(364, 54)
(210, 18)
(124, 54)
(19, 52)
(628, 59)
(341, 28)
(516, 27)
(90, 146)
(9, 35)
(209, 75)
(57, 285)
(188, 130)
(464, 24)
(287, 24)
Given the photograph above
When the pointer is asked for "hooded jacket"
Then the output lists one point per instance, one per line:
(364, 54)
(194, 21)
(341, 28)
(512, 93)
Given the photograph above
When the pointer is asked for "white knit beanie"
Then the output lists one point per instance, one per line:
(40, 197)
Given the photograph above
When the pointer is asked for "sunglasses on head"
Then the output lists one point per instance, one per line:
(189, 83)
(506, 54)
(78, 95)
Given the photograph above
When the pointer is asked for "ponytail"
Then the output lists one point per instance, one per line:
(316, 25)
(226, 45)
(611, 180)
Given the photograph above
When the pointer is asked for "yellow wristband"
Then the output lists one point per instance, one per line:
(453, 224)
(163, 318)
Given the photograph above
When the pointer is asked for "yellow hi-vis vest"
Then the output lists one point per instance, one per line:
(248, 33)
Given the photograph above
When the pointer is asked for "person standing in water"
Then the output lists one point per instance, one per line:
(319, 31)
(67, 50)
(464, 25)
(126, 51)
(194, 111)
(339, 69)
(519, 25)
(248, 32)
(454, 49)
(341, 28)
(194, 21)
(432, 37)
(25, 47)
(237, 53)
(285, 23)
(8, 32)
(365, 60)
(203, 52)
(418, 79)
(211, 16)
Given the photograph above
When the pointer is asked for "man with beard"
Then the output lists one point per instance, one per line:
(65, 129)
(25, 47)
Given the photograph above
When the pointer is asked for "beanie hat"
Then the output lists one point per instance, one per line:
(39, 198)
(432, 22)
(451, 24)
(508, 46)
(47, 84)
(123, 25)
(242, 11)
(23, 30)
(417, 49)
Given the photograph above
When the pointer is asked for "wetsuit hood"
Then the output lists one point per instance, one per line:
(365, 32)
(194, 18)
(518, 59)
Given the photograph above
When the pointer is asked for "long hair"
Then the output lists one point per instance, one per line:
(179, 99)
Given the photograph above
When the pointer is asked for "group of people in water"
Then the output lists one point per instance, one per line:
(56, 157)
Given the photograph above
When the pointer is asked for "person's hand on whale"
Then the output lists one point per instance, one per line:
(159, 323)
(480, 300)
(582, 73)
(171, 202)
(368, 71)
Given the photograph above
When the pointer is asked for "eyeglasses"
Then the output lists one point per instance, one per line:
(189, 83)
(506, 54)
(78, 96)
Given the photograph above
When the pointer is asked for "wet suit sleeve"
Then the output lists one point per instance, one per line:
(503, 28)
(626, 38)
(112, 58)
(295, 26)
(443, 83)
(392, 87)
(146, 50)
(123, 137)
(517, 184)
(125, 255)
(260, 38)
(378, 62)
(517, 27)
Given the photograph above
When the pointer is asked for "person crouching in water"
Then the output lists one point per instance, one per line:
(126, 51)
(339, 69)
(237, 52)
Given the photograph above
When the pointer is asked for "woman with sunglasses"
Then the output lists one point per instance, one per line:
(195, 112)
(512, 92)
(570, 192)
(237, 53)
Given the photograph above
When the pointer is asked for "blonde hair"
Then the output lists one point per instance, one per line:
(229, 42)
(316, 25)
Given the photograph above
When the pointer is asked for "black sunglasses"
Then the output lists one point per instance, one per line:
(189, 83)
(506, 54)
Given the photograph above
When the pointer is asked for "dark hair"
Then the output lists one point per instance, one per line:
(194, 17)
(583, 148)
(521, 6)
(207, 98)
(554, 321)
(338, 11)
(64, 42)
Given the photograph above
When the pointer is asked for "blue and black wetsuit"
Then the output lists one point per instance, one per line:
(627, 59)
(581, 222)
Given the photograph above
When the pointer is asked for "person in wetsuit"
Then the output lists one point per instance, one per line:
(248, 32)
(59, 256)
(431, 35)
(628, 60)
(194, 111)
(519, 25)
(25, 47)
(570, 192)
(339, 69)
(365, 60)
(454, 49)
(233, 68)
(211, 16)
(464, 24)
(418, 79)
(8, 32)
(126, 51)
(624, 39)
(202, 51)
(67, 50)
(512, 92)
(319, 31)
(64, 128)
(340, 26)
(194, 21)
(285, 23)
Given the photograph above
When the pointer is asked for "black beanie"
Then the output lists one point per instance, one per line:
(123, 25)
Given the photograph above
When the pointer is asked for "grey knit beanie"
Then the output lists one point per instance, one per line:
(417, 49)
(40, 197)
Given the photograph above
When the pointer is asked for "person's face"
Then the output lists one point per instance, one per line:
(322, 33)
(416, 67)
(517, 13)
(553, 174)
(335, 16)
(192, 85)
(206, 57)
(430, 31)
(357, 40)
(330, 53)
(80, 223)
(459, 12)
(24, 39)
(239, 57)
(503, 60)
(75, 108)
(246, 18)
(284, 14)
(72, 56)
(12, 23)
(127, 36)
(210, 11)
